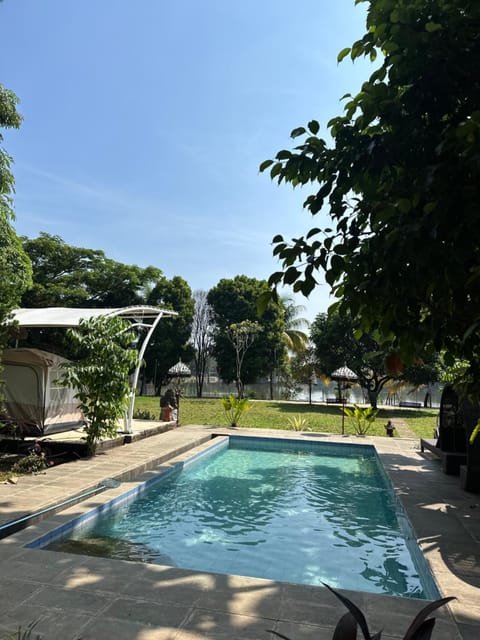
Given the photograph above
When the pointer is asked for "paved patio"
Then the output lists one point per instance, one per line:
(74, 597)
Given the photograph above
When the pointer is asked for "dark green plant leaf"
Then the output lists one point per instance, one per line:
(420, 617)
(424, 631)
(346, 628)
(280, 635)
(299, 131)
(354, 610)
(265, 164)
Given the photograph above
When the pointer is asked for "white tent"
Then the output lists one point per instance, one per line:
(34, 401)
(140, 317)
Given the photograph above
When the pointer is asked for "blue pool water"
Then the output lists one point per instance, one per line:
(297, 512)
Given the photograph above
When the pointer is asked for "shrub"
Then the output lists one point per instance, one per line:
(100, 376)
(298, 423)
(144, 414)
(234, 408)
(362, 418)
(30, 464)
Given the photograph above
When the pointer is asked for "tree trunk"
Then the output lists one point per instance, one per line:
(372, 398)
(240, 388)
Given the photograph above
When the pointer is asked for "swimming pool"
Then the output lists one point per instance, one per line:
(293, 511)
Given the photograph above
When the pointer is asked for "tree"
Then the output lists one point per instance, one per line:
(64, 275)
(234, 301)
(69, 276)
(401, 184)
(15, 267)
(202, 337)
(100, 375)
(295, 339)
(170, 340)
(241, 335)
(303, 368)
(336, 345)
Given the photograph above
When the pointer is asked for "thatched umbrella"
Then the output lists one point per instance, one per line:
(177, 373)
(346, 376)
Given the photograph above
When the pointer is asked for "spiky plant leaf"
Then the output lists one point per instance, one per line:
(424, 631)
(346, 628)
(280, 635)
(420, 617)
(354, 610)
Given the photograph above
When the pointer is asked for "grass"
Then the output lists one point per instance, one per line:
(276, 415)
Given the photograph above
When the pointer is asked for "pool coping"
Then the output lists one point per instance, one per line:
(428, 496)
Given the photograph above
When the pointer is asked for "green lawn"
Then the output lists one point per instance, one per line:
(276, 414)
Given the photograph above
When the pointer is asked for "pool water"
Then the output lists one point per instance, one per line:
(304, 513)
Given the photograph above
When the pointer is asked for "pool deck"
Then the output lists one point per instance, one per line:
(73, 597)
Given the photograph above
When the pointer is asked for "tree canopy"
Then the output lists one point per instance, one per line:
(65, 275)
(400, 181)
(170, 341)
(234, 301)
(336, 345)
(15, 268)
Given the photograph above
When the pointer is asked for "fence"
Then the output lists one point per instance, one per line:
(320, 392)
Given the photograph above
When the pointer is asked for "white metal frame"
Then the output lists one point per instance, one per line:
(141, 317)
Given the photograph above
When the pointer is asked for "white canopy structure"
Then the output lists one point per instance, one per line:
(140, 317)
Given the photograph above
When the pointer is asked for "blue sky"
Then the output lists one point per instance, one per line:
(145, 123)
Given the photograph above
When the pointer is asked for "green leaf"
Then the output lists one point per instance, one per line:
(299, 131)
(277, 238)
(343, 53)
(265, 164)
(314, 127)
(433, 26)
(313, 232)
(291, 274)
(276, 169)
(284, 155)
(262, 302)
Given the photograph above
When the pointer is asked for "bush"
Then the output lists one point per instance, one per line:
(298, 423)
(144, 414)
(362, 418)
(30, 464)
(234, 407)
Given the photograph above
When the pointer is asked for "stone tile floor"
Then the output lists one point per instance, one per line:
(74, 597)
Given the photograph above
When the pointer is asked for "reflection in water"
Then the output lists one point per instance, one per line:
(289, 515)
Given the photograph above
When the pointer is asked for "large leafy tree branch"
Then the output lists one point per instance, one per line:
(15, 267)
(400, 181)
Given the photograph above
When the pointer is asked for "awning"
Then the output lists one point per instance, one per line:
(70, 317)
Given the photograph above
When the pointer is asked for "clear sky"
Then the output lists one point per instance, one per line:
(145, 122)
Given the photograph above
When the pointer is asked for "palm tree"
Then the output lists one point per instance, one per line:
(295, 339)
